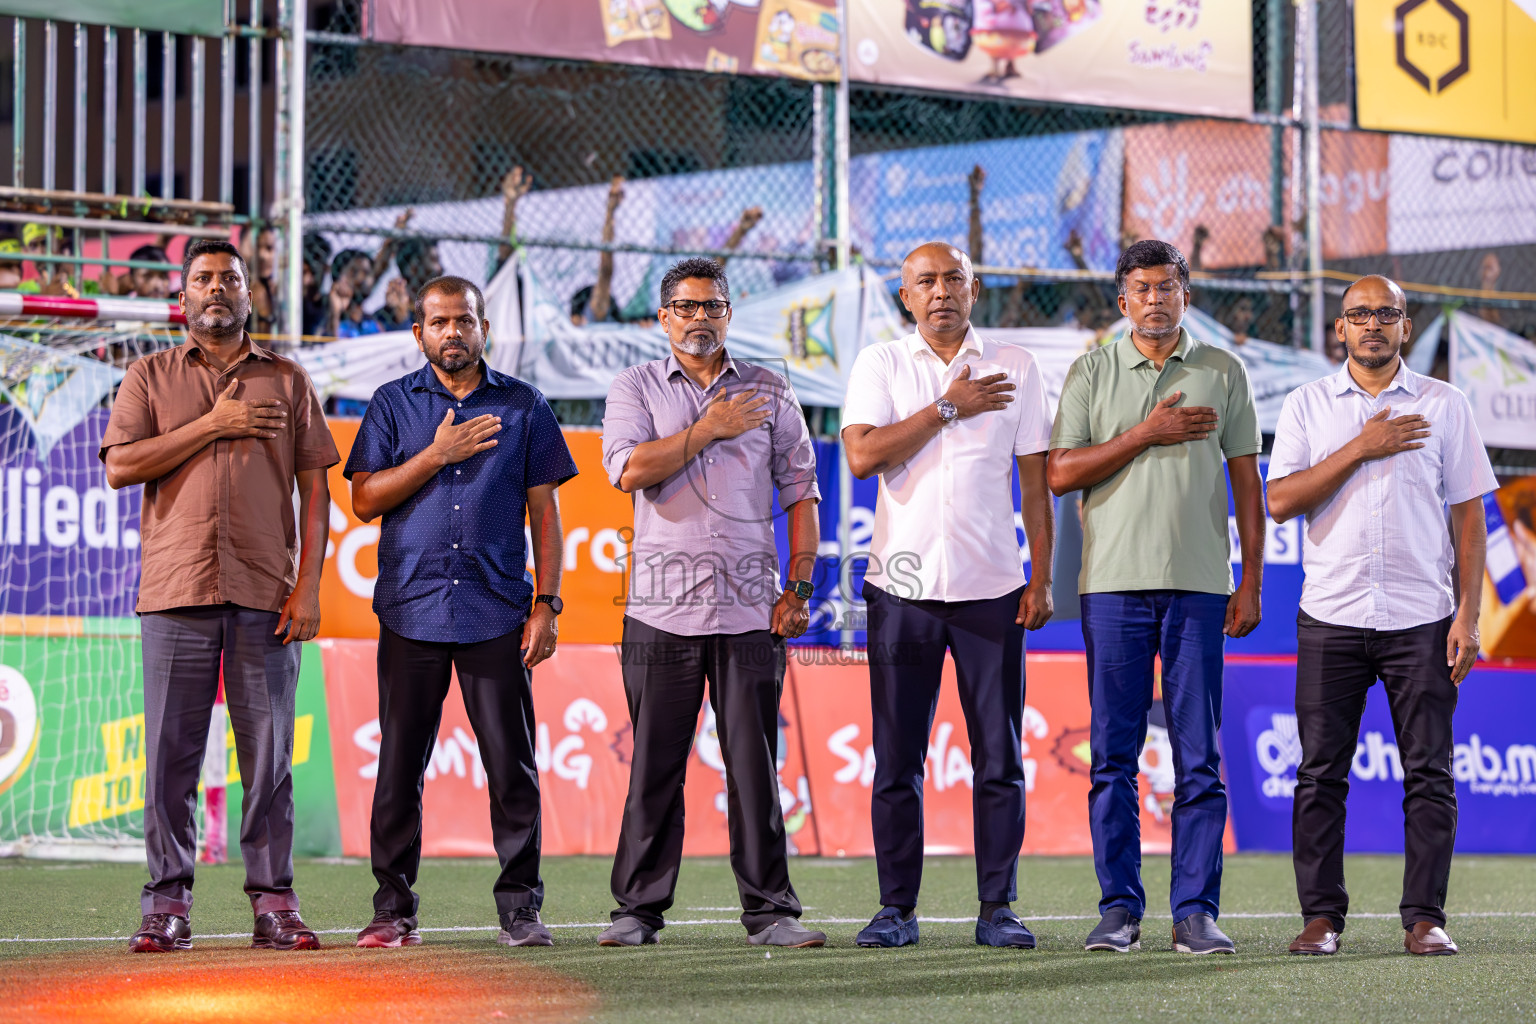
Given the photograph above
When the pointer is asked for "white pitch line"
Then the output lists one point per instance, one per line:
(817, 920)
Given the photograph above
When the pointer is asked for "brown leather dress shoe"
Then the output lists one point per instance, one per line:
(1428, 939)
(1317, 939)
(161, 933)
(283, 929)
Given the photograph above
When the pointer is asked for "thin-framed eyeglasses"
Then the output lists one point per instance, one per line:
(688, 308)
(1360, 315)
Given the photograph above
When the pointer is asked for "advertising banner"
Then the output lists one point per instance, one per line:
(1184, 175)
(72, 754)
(1497, 371)
(1494, 762)
(1508, 621)
(189, 17)
(583, 747)
(1037, 192)
(1187, 56)
(1447, 67)
(1449, 194)
(794, 38)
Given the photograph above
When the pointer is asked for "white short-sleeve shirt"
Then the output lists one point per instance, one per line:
(1377, 553)
(944, 520)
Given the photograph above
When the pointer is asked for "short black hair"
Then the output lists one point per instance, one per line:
(1144, 255)
(210, 247)
(448, 285)
(346, 258)
(150, 253)
(694, 266)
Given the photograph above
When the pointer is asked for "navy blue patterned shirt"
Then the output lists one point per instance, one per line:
(452, 556)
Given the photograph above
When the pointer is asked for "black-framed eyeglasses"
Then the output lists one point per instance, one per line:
(688, 308)
(1360, 316)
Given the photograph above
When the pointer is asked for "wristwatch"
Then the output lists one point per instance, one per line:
(800, 588)
(555, 604)
(947, 410)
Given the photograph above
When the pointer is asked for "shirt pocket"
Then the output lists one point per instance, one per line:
(1420, 472)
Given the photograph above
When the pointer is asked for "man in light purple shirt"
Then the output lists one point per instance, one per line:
(701, 441)
(1372, 456)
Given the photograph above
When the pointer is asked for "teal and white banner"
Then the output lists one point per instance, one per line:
(1497, 370)
(186, 17)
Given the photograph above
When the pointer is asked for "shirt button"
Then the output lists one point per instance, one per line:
(456, 508)
(1375, 476)
(714, 534)
(461, 405)
(1375, 585)
(457, 472)
(711, 461)
(1375, 551)
(455, 582)
(1373, 514)
(455, 547)
(711, 497)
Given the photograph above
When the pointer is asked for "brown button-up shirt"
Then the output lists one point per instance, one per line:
(220, 527)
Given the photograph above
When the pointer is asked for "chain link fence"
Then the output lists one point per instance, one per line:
(424, 159)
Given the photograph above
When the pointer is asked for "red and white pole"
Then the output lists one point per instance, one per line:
(215, 777)
(152, 311)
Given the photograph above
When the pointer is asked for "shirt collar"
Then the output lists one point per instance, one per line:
(673, 367)
(251, 349)
(972, 345)
(425, 379)
(1404, 378)
(1131, 356)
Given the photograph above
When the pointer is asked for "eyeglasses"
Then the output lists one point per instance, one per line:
(688, 308)
(1360, 316)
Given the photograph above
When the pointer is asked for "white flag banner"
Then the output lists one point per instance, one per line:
(1497, 371)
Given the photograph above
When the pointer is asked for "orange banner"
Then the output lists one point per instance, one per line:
(595, 517)
(835, 705)
(1185, 175)
(583, 747)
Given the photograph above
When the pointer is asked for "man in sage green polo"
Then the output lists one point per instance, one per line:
(1142, 429)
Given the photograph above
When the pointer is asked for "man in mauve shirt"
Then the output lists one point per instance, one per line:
(219, 431)
(701, 440)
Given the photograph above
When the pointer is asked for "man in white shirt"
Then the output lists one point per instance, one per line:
(935, 415)
(1370, 456)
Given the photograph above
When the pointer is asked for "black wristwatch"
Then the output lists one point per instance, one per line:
(555, 604)
(800, 588)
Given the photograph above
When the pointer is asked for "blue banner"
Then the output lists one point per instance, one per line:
(1494, 762)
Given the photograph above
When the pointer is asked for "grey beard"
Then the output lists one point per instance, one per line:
(220, 326)
(700, 348)
(1159, 333)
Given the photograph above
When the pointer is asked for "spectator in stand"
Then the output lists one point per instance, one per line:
(397, 313)
(317, 257)
(142, 282)
(352, 281)
(594, 303)
(514, 186)
(11, 269)
(259, 248)
(52, 278)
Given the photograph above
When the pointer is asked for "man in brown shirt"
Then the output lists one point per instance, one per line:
(219, 430)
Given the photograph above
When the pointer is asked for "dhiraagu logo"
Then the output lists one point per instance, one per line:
(1276, 744)
(18, 726)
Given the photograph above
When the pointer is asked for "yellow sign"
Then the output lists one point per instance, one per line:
(1447, 67)
(120, 789)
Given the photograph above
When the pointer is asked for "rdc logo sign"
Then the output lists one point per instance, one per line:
(1276, 750)
(1433, 42)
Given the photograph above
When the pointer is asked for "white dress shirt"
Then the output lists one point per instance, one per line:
(1377, 553)
(944, 525)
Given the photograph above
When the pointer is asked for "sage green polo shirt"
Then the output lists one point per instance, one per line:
(1160, 522)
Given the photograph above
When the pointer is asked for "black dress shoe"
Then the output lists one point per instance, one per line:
(1198, 933)
(1117, 931)
(161, 933)
(283, 929)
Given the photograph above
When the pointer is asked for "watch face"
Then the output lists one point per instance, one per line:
(555, 604)
(803, 589)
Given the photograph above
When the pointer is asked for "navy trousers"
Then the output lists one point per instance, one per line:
(907, 641)
(1123, 632)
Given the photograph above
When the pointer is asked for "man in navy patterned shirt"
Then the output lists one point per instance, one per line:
(453, 456)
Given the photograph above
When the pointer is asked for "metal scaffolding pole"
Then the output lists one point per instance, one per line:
(841, 133)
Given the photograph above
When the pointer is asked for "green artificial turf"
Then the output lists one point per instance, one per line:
(708, 972)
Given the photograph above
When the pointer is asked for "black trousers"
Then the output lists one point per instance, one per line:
(1335, 667)
(664, 677)
(907, 640)
(497, 688)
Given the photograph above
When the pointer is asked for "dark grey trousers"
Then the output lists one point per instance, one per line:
(183, 649)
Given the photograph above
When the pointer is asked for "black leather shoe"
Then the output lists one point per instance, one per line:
(1117, 931)
(161, 933)
(283, 929)
(1198, 933)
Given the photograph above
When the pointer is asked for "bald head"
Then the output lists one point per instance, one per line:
(1365, 291)
(937, 285)
(935, 250)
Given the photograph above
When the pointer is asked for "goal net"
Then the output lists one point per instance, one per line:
(71, 708)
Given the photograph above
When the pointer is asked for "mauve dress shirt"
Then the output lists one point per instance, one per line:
(703, 559)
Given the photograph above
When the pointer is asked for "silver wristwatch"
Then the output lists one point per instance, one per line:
(947, 410)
